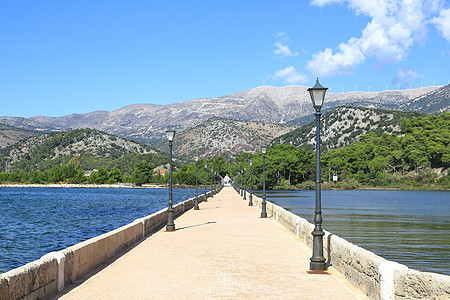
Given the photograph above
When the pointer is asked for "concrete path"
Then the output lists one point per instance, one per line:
(222, 251)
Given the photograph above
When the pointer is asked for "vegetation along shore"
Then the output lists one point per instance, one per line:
(413, 155)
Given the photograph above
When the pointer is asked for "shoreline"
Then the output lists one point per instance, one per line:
(155, 186)
(86, 185)
(73, 185)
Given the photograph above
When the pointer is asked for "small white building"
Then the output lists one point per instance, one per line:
(227, 180)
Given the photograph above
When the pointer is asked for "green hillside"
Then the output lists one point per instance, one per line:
(91, 149)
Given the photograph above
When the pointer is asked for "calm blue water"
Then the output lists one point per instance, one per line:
(409, 227)
(35, 221)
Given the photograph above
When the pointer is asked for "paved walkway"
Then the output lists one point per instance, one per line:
(222, 251)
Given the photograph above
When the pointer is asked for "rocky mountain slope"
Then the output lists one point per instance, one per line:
(64, 145)
(10, 135)
(432, 102)
(343, 125)
(147, 122)
(220, 136)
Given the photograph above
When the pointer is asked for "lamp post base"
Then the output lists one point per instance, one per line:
(263, 209)
(170, 227)
(318, 261)
(196, 203)
(317, 265)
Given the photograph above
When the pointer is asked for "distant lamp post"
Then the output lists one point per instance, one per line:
(245, 173)
(264, 203)
(212, 177)
(170, 225)
(317, 93)
(242, 182)
(216, 181)
(196, 184)
(250, 197)
(206, 176)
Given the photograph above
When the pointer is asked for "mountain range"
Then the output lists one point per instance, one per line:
(342, 126)
(214, 137)
(223, 137)
(10, 135)
(147, 122)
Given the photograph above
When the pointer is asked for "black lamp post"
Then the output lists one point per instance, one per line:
(317, 93)
(245, 173)
(242, 182)
(238, 184)
(196, 184)
(206, 174)
(250, 197)
(264, 203)
(170, 225)
(216, 181)
(212, 178)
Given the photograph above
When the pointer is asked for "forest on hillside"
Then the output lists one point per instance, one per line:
(418, 157)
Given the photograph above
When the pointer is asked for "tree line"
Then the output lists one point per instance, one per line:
(418, 156)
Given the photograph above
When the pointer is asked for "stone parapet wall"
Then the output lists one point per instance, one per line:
(87, 255)
(377, 277)
(35, 280)
(43, 278)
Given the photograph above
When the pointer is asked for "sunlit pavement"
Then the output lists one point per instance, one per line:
(222, 251)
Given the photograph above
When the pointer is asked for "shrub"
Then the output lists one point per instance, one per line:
(348, 184)
(307, 185)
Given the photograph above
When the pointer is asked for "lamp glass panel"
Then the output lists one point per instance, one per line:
(170, 135)
(319, 95)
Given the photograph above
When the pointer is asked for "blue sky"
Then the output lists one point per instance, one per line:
(63, 57)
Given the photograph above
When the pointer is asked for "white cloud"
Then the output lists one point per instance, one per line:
(325, 63)
(394, 27)
(282, 36)
(290, 76)
(442, 23)
(282, 49)
(406, 76)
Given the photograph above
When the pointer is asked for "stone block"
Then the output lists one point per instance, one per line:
(413, 284)
(4, 288)
(68, 266)
(33, 280)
